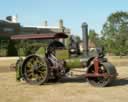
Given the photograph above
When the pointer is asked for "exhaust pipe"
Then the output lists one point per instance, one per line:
(85, 38)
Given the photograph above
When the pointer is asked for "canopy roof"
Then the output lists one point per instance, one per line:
(39, 36)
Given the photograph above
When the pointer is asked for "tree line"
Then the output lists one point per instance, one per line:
(114, 34)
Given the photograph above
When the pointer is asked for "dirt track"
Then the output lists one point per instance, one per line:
(68, 90)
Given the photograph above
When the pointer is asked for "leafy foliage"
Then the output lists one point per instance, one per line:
(29, 47)
(93, 36)
(11, 49)
(115, 33)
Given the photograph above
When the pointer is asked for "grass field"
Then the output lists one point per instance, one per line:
(5, 64)
(117, 61)
(67, 90)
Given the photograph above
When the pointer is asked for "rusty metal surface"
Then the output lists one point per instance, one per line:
(39, 36)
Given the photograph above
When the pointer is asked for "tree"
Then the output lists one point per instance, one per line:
(12, 49)
(94, 38)
(78, 39)
(115, 33)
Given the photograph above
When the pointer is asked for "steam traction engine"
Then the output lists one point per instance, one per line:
(53, 64)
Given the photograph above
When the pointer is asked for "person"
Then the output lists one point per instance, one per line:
(73, 46)
(100, 51)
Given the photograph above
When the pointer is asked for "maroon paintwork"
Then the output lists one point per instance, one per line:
(96, 70)
(39, 36)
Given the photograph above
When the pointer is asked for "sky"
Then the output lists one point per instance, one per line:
(73, 12)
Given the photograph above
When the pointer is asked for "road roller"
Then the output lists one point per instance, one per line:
(57, 60)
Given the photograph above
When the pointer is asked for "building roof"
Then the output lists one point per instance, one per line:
(49, 27)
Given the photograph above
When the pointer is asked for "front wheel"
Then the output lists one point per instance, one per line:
(100, 81)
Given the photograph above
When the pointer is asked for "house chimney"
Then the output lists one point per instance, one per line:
(45, 23)
(61, 23)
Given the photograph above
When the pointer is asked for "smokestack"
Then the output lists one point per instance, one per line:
(85, 38)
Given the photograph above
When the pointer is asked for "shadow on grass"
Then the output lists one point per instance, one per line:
(82, 79)
(120, 82)
(76, 79)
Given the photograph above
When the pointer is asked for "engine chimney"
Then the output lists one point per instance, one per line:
(85, 38)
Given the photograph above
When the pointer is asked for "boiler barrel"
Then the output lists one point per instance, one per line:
(76, 63)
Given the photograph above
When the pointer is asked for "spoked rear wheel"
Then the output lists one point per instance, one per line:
(100, 81)
(35, 70)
